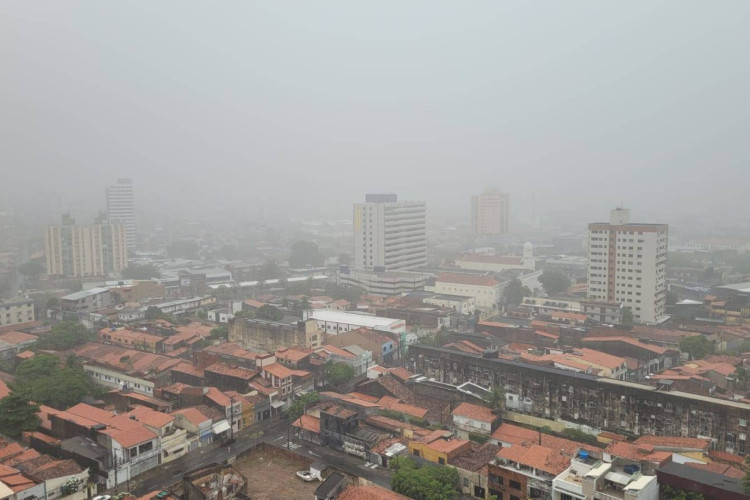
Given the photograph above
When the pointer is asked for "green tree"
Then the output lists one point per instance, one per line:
(580, 436)
(270, 313)
(52, 303)
(45, 380)
(153, 313)
(268, 271)
(140, 272)
(345, 259)
(696, 346)
(64, 335)
(305, 254)
(497, 398)
(219, 333)
(554, 281)
(337, 373)
(672, 298)
(746, 479)
(428, 482)
(19, 415)
(298, 406)
(514, 292)
(627, 316)
(350, 293)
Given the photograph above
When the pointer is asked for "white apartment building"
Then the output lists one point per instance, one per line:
(628, 264)
(486, 291)
(389, 235)
(334, 322)
(16, 311)
(78, 250)
(490, 213)
(121, 208)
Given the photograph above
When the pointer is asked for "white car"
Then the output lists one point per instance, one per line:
(305, 475)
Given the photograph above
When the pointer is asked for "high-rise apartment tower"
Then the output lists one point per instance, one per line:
(97, 249)
(490, 213)
(628, 264)
(389, 234)
(121, 208)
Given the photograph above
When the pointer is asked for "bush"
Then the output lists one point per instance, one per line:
(478, 438)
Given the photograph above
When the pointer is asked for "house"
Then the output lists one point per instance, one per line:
(486, 291)
(474, 419)
(369, 492)
(472, 469)
(223, 315)
(384, 348)
(333, 354)
(187, 373)
(339, 429)
(197, 425)
(228, 406)
(307, 428)
(591, 479)
(683, 477)
(173, 440)
(294, 357)
(87, 301)
(232, 353)
(118, 367)
(439, 446)
(525, 472)
(134, 339)
(228, 378)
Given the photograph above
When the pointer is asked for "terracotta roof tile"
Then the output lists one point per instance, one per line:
(475, 412)
(308, 423)
(369, 492)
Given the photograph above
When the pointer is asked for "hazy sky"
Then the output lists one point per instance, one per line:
(302, 107)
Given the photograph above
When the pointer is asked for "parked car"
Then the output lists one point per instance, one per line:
(305, 475)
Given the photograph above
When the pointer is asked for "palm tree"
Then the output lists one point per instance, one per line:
(497, 399)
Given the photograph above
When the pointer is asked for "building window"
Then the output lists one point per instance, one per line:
(514, 498)
(565, 496)
(515, 485)
(466, 482)
(441, 460)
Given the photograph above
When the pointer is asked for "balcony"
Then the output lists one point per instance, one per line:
(609, 494)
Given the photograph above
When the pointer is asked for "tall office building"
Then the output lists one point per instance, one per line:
(490, 213)
(121, 208)
(97, 249)
(628, 264)
(389, 234)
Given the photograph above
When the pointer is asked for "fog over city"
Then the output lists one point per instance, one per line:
(271, 108)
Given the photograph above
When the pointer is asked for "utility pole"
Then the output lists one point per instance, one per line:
(114, 461)
(231, 419)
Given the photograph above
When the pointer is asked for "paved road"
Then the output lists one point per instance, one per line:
(274, 431)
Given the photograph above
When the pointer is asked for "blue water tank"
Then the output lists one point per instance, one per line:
(583, 455)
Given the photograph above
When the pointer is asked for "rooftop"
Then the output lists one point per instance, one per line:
(467, 279)
(538, 457)
(333, 316)
(475, 412)
(85, 293)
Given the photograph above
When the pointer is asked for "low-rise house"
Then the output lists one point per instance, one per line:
(120, 368)
(133, 339)
(228, 378)
(233, 354)
(439, 446)
(711, 485)
(13, 343)
(258, 334)
(472, 469)
(474, 419)
(197, 425)
(591, 479)
(307, 428)
(86, 301)
(223, 315)
(337, 322)
(173, 440)
(335, 354)
(294, 357)
(187, 373)
(230, 407)
(331, 487)
(526, 472)
(383, 347)
(486, 291)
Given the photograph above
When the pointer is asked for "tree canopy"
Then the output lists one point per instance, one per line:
(514, 292)
(269, 312)
(297, 408)
(345, 259)
(428, 482)
(64, 335)
(338, 292)
(268, 271)
(697, 346)
(45, 380)
(19, 415)
(554, 281)
(31, 269)
(338, 373)
(305, 254)
(140, 272)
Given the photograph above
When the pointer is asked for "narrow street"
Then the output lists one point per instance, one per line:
(272, 431)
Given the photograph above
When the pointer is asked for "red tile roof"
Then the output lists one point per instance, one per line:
(230, 371)
(400, 373)
(673, 442)
(192, 415)
(467, 279)
(475, 412)
(14, 338)
(218, 397)
(369, 492)
(308, 423)
(628, 340)
(278, 370)
(394, 404)
(631, 451)
(151, 417)
(539, 457)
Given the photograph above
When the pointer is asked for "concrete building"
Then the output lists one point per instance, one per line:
(86, 300)
(121, 208)
(77, 250)
(499, 263)
(270, 335)
(590, 479)
(628, 264)
(383, 348)
(383, 283)
(336, 322)
(16, 311)
(490, 213)
(389, 234)
(486, 291)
